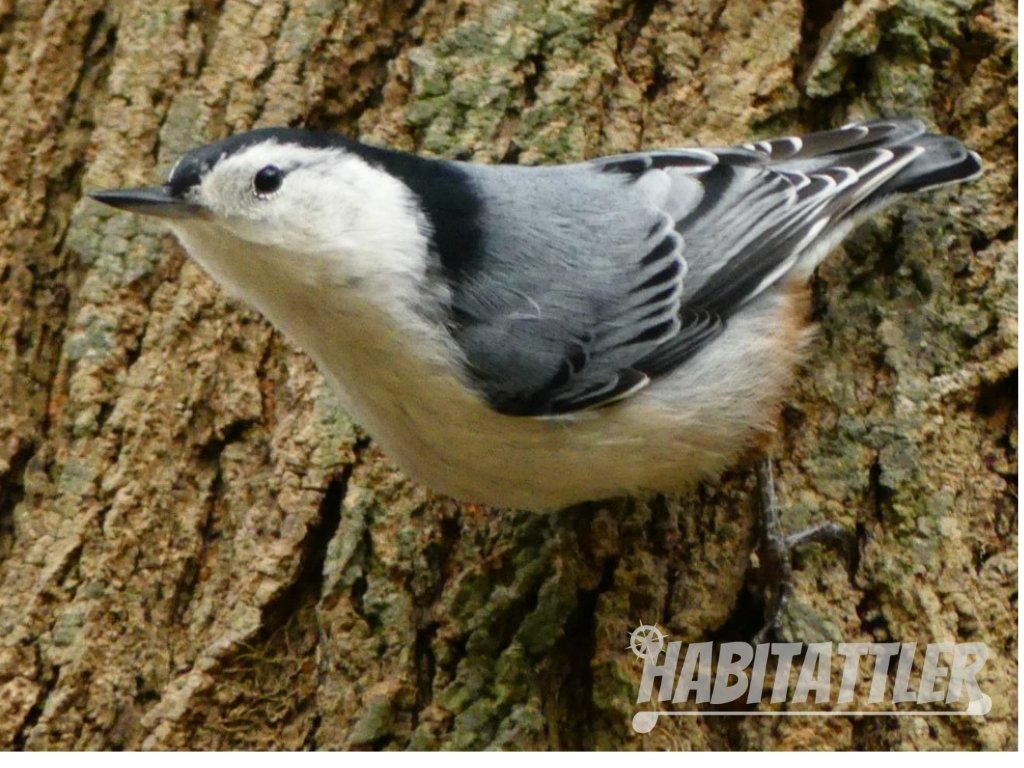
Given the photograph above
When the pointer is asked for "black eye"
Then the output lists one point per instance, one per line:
(267, 180)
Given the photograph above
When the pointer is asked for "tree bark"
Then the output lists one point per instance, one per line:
(198, 549)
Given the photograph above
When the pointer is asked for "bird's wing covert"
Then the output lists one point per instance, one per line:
(593, 279)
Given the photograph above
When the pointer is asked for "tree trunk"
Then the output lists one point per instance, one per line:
(198, 549)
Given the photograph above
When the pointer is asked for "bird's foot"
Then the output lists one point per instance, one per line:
(775, 551)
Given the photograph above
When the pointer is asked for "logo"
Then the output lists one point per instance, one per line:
(805, 679)
(646, 640)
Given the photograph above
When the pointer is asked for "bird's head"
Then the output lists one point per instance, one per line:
(290, 194)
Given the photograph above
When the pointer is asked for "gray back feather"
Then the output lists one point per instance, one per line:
(596, 277)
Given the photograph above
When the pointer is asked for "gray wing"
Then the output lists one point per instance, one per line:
(579, 275)
(595, 278)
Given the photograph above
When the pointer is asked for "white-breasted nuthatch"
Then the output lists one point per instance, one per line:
(538, 336)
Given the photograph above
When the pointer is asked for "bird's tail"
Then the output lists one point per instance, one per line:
(858, 169)
(924, 160)
(944, 160)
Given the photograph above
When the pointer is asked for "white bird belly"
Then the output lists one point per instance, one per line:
(400, 380)
(685, 426)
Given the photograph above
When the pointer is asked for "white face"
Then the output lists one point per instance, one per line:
(318, 202)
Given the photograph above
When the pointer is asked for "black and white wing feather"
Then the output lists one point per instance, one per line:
(554, 317)
(591, 280)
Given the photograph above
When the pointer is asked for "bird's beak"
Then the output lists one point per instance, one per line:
(150, 201)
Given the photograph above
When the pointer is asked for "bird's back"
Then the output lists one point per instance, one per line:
(593, 279)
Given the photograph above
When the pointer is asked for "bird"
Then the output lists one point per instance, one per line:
(535, 337)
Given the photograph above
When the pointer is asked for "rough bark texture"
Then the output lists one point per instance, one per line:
(198, 549)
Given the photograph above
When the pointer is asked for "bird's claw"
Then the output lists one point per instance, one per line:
(775, 551)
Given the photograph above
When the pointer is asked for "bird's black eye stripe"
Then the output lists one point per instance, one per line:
(267, 180)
